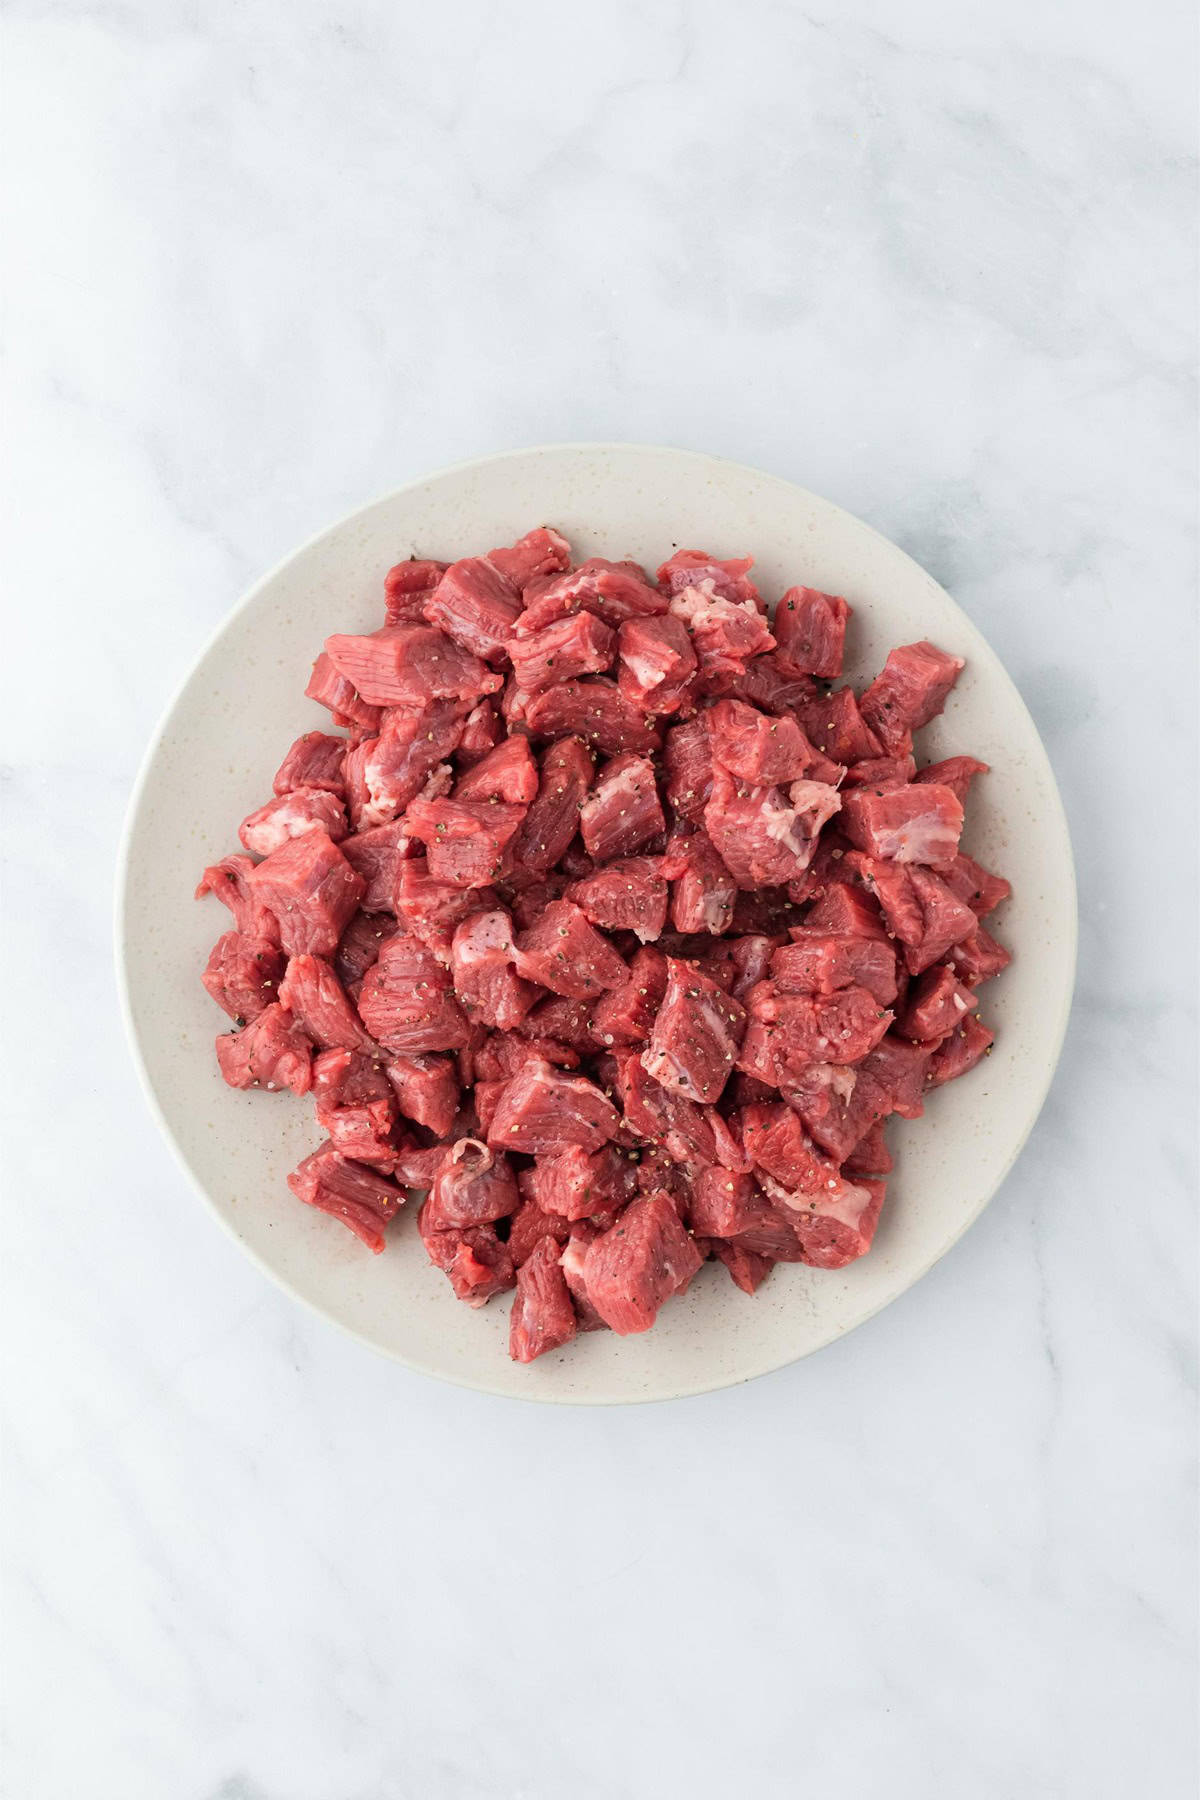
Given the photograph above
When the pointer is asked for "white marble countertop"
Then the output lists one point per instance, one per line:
(932, 261)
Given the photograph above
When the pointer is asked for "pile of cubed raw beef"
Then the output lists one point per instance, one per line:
(609, 918)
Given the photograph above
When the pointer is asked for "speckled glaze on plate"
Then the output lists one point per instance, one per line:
(212, 761)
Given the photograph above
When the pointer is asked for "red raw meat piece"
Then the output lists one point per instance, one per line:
(771, 1236)
(563, 1020)
(909, 690)
(242, 974)
(898, 1070)
(481, 964)
(723, 1202)
(914, 824)
(355, 1106)
(473, 1186)
(406, 587)
(623, 810)
(630, 895)
(464, 840)
(810, 630)
(978, 887)
(936, 1004)
(726, 634)
(580, 645)
(977, 957)
(473, 1257)
(729, 579)
(229, 880)
(415, 1165)
(486, 1095)
(564, 953)
(919, 908)
(758, 750)
(504, 1054)
(631, 1269)
(312, 992)
(553, 818)
(386, 772)
(377, 855)
(960, 1051)
(837, 1104)
(542, 551)
(747, 1270)
(312, 891)
(582, 1184)
(426, 1090)
(571, 1261)
(777, 1142)
(481, 733)
(274, 1051)
(836, 727)
(738, 963)
(764, 837)
(431, 909)
(703, 896)
(329, 688)
(476, 605)
(314, 761)
(836, 1225)
(542, 1317)
(506, 773)
(657, 663)
(845, 911)
(593, 709)
(542, 1110)
(407, 1003)
(696, 1035)
(361, 1198)
(626, 1014)
(870, 1156)
(881, 772)
(613, 591)
(359, 947)
(808, 1028)
(402, 664)
(687, 758)
(681, 1128)
(765, 683)
(817, 962)
(954, 772)
(531, 1223)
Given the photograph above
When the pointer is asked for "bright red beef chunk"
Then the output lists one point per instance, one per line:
(579, 645)
(623, 811)
(836, 1225)
(542, 551)
(915, 824)
(243, 974)
(476, 605)
(474, 1259)
(229, 880)
(612, 591)
(955, 772)
(696, 1036)
(726, 634)
(312, 891)
(360, 1197)
(704, 894)
(474, 1185)
(376, 854)
(407, 1002)
(426, 1089)
(402, 664)
(355, 1106)
(313, 994)
(406, 587)
(836, 727)
(552, 821)
(723, 1202)
(965, 1046)
(274, 1051)
(628, 895)
(911, 688)
(729, 579)
(565, 953)
(485, 980)
(595, 710)
(541, 1110)
(631, 1269)
(766, 836)
(543, 1316)
(331, 689)
(465, 840)
(430, 909)
(810, 630)
(314, 761)
(625, 1015)
(936, 1004)
(580, 1184)
(759, 750)
(657, 663)
(688, 760)
(805, 1028)
(978, 887)
(817, 962)
(507, 772)
(481, 733)
(767, 684)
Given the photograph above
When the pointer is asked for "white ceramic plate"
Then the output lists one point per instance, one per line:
(213, 759)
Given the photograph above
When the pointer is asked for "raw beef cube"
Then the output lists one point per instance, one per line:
(738, 963)
(678, 1126)
(846, 911)
(915, 824)
(486, 1096)
(623, 810)
(387, 771)
(542, 1317)
(361, 1198)
(400, 664)
(909, 690)
(765, 683)
(473, 1186)
(407, 1003)
(431, 909)
(837, 1104)
(764, 836)
(687, 758)
(954, 772)
(464, 840)
(817, 962)
(476, 1262)
(504, 1054)
(476, 605)
(881, 772)
(565, 1021)
(229, 880)
(977, 957)
(570, 1261)
(626, 1014)
(313, 994)
(481, 964)
(981, 890)
(592, 709)
(870, 1156)
(312, 891)
(836, 727)
(723, 1202)
(696, 1035)
(630, 895)
(564, 953)
(415, 1165)
(242, 974)
(542, 1110)
(506, 773)
(355, 1106)
(359, 947)
(936, 1004)
(810, 630)
(481, 733)
(897, 1070)
(553, 818)
(747, 1270)
(274, 1051)
(808, 1028)
(329, 688)
(581, 645)
(657, 663)
(919, 908)
(960, 1051)
(771, 1236)
(631, 1269)
(377, 855)
(726, 634)
(613, 591)
(729, 579)
(407, 586)
(758, 750)
(542, 551)
(777, 1142)
(836, 1225)
(581, 1184)
(314, 761)
(426, 1090)
(703, 896)
(531, 1223)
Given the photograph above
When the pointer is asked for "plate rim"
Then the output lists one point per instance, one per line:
(1070, 923)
